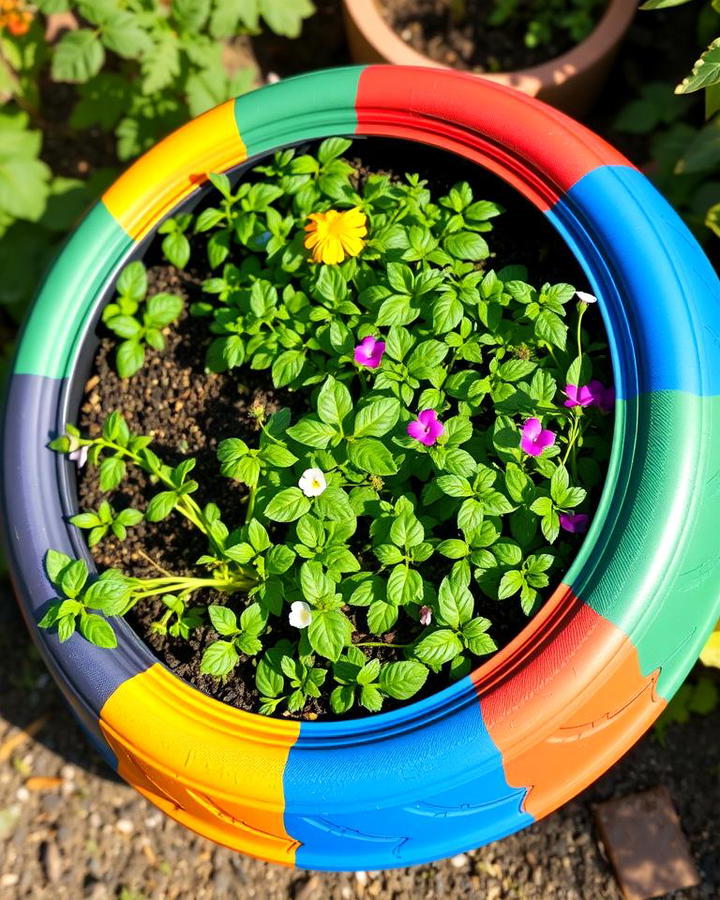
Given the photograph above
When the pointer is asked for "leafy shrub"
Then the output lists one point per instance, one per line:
(444, 424)
(138, 69)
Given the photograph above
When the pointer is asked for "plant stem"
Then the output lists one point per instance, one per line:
(380, 644)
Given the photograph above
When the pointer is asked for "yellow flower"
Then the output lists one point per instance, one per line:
(333, 235)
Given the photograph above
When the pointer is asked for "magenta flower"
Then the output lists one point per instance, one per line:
(426, 428)
(575, 523)
(369, 352)
(534, 438)
(579, 396)
(425, 615)
(603, 397)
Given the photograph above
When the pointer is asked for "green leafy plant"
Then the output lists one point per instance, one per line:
(699, 697)
(544, 18)
(135, 69)
(445, 432)
(138, 319)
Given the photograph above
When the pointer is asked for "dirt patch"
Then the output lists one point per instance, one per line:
(464, 35)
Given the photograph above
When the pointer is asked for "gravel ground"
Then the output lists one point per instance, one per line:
(69, 829)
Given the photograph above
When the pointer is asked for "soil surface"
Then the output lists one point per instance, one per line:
(70, 829)
(189, 411)
(468, 39)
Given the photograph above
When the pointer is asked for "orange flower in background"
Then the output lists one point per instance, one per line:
(15, 16)
(333, 235)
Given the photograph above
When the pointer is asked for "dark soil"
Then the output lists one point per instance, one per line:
(189, 411)
(468, 40)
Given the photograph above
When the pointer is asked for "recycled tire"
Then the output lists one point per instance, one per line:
(589, 674)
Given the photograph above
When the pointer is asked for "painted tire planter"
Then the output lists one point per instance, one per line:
(528, 730)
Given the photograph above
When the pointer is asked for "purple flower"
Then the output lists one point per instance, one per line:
(603, 397)
(369, 352)
(425, 615)
(79, 455)
(426, 428)
(579, 396)
(575, 523)
(534, 438)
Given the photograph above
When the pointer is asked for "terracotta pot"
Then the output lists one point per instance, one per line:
(571, 81)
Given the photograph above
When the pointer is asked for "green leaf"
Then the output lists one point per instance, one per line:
(312, 432)
(279, 559)
(278, 456)
(132, 282)
(223, 620)
(253, 621)
(332, 148)
(124, 326)
(559, 484)
(97, 630)
(476, 637)
(268, 676)
(109, 595)
(112, 472)
(447, 313)
(407, 531)
(399, 343)
(55, 563)
(342, 698)
(310, 531)
(190, 14)
(73, 578)
(404, 586)
(23, 177)
(371, 697)
(163, 309)
(329, 632)
(124, 34)
(377, 418)
(129, 358)
(466, 245)
(454, 486)
(287, 367)
(401, 680)
(510, 584)
(370, 455)
(314, 582)
(438, 647)
(334, 402)
(470, 515)
(705, 73)
(78, 56)
(287, 505)
(551, 328)
(369, 672)
(453, 548)
(219, 659)
(381, 616)
(161, 506)
(515, 369)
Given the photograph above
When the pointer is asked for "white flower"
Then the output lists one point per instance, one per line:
(312, 482)
(300, 614)
(425, 615)
(79, 455)
(585, 297)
